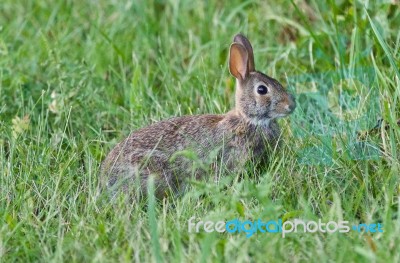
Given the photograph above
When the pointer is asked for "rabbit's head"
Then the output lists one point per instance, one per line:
(259, 98)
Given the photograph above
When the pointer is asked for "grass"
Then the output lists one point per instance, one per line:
(77, 76)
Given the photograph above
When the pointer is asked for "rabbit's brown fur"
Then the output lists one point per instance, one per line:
(246, 133)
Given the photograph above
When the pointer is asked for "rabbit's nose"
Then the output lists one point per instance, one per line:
(291, 104)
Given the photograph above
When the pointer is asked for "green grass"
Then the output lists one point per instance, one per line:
(77, 76)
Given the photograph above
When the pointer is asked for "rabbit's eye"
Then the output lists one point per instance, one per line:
(262, 90)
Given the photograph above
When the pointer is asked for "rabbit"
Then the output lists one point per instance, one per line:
(244, 134)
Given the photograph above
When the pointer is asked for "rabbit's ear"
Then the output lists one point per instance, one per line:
(238, 59)
(239, 38)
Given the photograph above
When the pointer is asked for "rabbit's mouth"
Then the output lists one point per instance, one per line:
(266, 119)
(283, 110)
(275, 115)
(281, 115)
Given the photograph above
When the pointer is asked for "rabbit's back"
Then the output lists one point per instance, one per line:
(169, 136)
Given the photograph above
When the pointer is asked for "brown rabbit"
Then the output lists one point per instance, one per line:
(166, 148)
